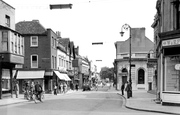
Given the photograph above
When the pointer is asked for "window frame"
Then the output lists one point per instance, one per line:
(32, 61)
(31, 44)
(7, 20)
(5, 41)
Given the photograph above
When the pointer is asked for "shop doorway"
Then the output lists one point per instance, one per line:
(141, 76)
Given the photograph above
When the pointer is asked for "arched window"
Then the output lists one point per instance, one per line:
(141, 76)
(124, 70)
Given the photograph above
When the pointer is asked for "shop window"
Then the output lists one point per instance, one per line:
(141, 76)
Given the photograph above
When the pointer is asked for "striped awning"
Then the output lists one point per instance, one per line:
(60, 75)
(66, 77)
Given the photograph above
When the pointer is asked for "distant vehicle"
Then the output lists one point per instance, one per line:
(86, 87)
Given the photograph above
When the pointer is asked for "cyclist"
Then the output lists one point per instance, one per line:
(31, 91)
(38, 90)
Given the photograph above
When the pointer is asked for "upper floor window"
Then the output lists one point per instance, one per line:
(53, 42)
(67, 65)
(55, 62)
(7, 21)
(176, 14)
(22, 46)
(34, 41)
(15, 44)
(5, 41)
(34, 61)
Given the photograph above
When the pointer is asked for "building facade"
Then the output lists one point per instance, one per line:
(141, 74)
(42, 53)
(166, 36)
(11, 48)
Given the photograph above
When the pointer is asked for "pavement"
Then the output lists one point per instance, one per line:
(145, 101)
(7, 100)
(141, 100)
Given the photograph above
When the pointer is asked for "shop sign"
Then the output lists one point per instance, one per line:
(171, 42)
(177, 66)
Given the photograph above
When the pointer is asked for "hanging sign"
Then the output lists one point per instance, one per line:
(177, 66)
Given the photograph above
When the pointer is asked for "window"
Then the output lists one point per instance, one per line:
(34, 61)
(12, 47)
(4, 41)
(55, 63)
(15, 45)
(22, 46)
(52, 61)
(67, 67)
(175, 14)
(61, 63)
(54, 43)
(34, 41)
(19, 46)
(7, 21)
(12, 42)
(141, 76)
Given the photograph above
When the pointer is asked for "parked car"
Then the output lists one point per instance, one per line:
(86, 87)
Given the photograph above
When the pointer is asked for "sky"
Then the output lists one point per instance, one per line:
(90, 21)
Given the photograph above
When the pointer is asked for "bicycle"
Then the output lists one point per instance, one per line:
(35, 97)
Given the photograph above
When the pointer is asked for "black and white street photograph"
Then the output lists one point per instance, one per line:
(89, 57)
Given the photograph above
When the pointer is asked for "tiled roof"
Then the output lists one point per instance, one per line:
(30, 27)
(139, 42)
(64, 41)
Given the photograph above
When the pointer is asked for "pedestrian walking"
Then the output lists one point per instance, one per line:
(77, 86)
(122, 88)
(64, 87)
(61, 87)
(55, 89)
(16, 89)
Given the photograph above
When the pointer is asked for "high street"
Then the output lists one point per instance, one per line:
(101, 102)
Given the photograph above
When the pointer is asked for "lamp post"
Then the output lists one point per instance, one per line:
(128, 27)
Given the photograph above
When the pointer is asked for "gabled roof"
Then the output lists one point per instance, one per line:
(139, 42)
(30, 27)
(64, 41)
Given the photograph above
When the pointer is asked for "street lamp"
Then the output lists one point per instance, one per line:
(126, 27)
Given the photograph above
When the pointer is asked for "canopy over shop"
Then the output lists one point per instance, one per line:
(30, 76)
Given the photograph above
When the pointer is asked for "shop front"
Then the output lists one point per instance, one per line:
(170, 78)
(29, 76)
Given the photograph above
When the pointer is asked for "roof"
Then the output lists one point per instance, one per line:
(64, 41)
(7, 28)
(30, 27)
(139, 42)
(7, 4)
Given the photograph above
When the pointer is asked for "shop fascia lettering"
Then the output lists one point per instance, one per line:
(171, 42)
